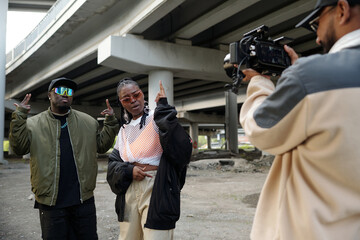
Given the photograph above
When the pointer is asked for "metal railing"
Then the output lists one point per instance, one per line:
(52, 15)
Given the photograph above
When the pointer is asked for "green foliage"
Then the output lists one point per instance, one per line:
(247, 147)
(202, 141)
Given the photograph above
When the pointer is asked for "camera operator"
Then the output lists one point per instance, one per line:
(311, 122)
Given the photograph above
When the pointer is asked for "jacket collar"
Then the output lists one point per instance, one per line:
(349, 40)
(52, 115)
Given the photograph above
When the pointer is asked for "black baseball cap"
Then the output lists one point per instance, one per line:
(62, 82)
(319, 5)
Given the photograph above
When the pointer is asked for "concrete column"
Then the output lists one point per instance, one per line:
(3, 15)
(167, 80)
(208, 138)
(231, 121)
(194, 134)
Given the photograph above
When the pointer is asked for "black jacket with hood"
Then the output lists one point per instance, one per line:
(164, 208)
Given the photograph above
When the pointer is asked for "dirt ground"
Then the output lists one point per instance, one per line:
(217, 202)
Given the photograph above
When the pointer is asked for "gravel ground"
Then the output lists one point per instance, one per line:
(218, 202)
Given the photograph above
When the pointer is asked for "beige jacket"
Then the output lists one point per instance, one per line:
(311, 122)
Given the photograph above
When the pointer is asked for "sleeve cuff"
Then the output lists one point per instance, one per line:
(162, 101)
(109, 118)
(21, 109)
(129, 171)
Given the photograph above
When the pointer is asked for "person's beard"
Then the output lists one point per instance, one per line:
(64, 108)
(330, 38)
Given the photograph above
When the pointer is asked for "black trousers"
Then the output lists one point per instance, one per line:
(72, 223)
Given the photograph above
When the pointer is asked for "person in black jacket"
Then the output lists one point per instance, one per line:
(147, 167)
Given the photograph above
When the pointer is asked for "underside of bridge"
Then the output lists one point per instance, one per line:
(189, 38)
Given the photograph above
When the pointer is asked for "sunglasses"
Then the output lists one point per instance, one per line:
(135, 96)
(63, 90)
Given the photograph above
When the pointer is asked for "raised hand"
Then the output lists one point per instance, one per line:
(25, 102)
(161, 93)
(109, 111)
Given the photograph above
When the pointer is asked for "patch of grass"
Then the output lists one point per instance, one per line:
(247, 147)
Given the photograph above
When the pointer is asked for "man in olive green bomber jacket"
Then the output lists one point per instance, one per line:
(63, 143)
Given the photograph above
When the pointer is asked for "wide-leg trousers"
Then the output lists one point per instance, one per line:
(137, 200)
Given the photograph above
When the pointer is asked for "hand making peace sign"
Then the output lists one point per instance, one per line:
(25, 102)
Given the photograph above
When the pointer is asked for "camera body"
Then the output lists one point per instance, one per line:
(258, 51)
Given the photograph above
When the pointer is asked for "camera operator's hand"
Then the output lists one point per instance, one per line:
(292, 54)
(250, 73)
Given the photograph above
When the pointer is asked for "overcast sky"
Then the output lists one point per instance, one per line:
(19, 25)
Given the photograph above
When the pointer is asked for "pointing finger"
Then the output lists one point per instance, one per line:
(162, 90)
(108, 104)
(148, 175)
(144, 173)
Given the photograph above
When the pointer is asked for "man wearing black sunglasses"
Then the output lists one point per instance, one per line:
(63, 143)
(310, 121)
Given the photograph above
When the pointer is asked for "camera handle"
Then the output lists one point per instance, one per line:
(237, 78)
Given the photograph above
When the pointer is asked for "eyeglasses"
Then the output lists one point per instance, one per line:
(314, 24)
(63, 90)
(135, 96)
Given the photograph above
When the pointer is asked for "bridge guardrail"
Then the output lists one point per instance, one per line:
(38, 31)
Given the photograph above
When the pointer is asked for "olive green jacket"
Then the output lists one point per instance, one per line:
(40, 136)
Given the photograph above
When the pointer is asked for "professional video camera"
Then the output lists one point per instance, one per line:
(258, 51)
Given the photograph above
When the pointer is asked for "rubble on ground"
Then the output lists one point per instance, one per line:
(252, 161)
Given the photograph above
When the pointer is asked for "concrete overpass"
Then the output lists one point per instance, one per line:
(30, 5)
(182, 42)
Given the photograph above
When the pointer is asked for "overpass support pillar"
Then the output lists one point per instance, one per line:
(208, 138)
(231, 121)
(3, 14)
(167, 79)
(194, 134)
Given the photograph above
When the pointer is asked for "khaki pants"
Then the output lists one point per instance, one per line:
(136, 208)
